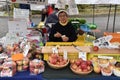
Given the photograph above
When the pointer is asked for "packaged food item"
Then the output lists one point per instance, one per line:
(8, 69)
(36, 67)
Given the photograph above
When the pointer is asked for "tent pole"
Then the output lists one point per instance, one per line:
(114, 18)
(8, 9)
(108, 17)
(93, 13)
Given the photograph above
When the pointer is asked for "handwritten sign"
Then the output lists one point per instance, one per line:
(21, 13)
(61, 4)
(17, 27)
(11, 38)
(72, 9)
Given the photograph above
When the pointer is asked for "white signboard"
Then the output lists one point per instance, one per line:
(60, 4)
(72, 9)
(37, 7)
(21, 13)
(52, 1)
(2, 13)
(11, 38)
(42, 2)
(17, 27)
(97, 1)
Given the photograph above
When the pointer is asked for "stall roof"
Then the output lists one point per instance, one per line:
(78, 1)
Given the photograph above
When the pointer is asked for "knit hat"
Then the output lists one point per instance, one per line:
(62, 11)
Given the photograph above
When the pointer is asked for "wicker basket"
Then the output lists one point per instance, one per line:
(57, 66)
(82, 73)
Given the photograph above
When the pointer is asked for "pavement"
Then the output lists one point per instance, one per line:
(100, 21)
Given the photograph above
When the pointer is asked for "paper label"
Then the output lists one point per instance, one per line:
(105, 57)
(83, 55)
(55, 50)
(65, 55)
(26, 49)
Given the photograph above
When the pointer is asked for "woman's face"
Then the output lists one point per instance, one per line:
(63, 18)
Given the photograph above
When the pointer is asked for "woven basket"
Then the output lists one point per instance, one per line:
(83, 73)
(57, 66)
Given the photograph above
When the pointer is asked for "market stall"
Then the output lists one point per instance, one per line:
(25, 57)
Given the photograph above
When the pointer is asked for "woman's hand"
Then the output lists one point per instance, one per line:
(58, 35)
(64, 38)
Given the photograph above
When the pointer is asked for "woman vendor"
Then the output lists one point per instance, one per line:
(62, 31)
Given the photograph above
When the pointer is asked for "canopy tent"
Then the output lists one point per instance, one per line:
(76, 1)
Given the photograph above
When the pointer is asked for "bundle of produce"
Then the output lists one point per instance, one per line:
(105, 65)
(36, 66)
(8, 69)
(22, 65)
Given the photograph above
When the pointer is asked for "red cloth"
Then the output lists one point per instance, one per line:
(50, 10)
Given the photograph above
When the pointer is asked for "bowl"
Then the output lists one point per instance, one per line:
(106, 73)
(54, 66)
(116, 72)
(81, 72)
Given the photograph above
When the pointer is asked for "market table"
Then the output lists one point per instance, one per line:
(24, 75)
(67, 74)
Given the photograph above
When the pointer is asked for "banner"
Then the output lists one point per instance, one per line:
(72, 7)
(41, 2)
(97, 1)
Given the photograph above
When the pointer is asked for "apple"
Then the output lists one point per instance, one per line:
(53, 61)
(106, 70)
(19, 62)
(84, 66)
(89, 62)
(74, 66)
(97, 69)
(36, 71)
(13, 0)
(88, 68)
(54, 55)
(95, 48)
(77, 62)
(19, 68)
(25, 62)
(25, 67)
(32, 70)
(85, 70)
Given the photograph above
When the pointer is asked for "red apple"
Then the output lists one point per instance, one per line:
(85, 70)
(36, 71)
(95, 48)
(77, 62)
(89, 63)
(53, 61)
(13, 0)
(74, 66)
(84, 65)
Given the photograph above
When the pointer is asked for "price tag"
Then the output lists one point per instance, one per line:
(55, 50)
(83, 55)
(26, 49)
(105, 57)
(65, 55)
